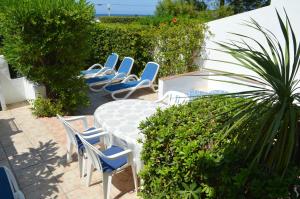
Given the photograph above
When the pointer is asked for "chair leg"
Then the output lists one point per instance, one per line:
(80, 162)
(69, 151)
(84, 166)
(89, 173)
(106, 184)
(134, 177)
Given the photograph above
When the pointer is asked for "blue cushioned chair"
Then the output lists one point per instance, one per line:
(9, 188)
(93, 71)
(132, 82)
(121, 74)
(108, 162)
(92, 135)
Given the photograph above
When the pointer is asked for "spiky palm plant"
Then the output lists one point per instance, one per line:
(276, 64)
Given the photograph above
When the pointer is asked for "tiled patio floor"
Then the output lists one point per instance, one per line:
(35, 151)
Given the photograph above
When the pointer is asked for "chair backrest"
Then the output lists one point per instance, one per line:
(92, 153)
(150, 71)
(111, 61)
(176, 98)
(71, 132)
(126, 65)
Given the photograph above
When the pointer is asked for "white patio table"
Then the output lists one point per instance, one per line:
(121, 120)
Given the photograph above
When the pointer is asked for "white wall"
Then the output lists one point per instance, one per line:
(183, 83)
(220, 29)
(14, 90)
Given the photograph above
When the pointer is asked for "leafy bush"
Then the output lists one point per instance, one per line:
(173, 44)
(177, 46)
(186, 145)
(47, 41)
(46, 108)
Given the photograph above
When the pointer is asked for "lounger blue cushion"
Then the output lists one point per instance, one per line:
(111, 165)
(99, 79)
(150, 71)
(5, 189)
(89, 72)
(122, 86)
(105, 78)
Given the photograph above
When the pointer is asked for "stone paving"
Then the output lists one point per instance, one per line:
(34, 149)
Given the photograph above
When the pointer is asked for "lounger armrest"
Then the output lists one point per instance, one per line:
(118, 75)
(118, 155)
(143, 82)
(102, 70)
(87, 137)
(109, 72)
(95, 65)
(82, 118)
(130, 78)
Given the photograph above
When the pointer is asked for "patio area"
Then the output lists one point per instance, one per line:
(35, 150)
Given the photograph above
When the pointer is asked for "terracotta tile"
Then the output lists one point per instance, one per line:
(69, 181)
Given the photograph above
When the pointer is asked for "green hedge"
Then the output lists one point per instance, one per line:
(119, 19)
(174, 45)
(185, 152)
(126, 40)
(47, 42)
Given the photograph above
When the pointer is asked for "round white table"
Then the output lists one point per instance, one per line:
(121, 120)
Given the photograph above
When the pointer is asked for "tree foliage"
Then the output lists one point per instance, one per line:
(246, 5)
(179, 7)
(47, 42)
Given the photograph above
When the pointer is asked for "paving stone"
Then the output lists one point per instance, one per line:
(34, 174)
(18, 149)
(24, 160)
(44, 190)
(2, 154)
(59, 165)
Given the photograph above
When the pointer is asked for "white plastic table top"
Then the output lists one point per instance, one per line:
(121, 120)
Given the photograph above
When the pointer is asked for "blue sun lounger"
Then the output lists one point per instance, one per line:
(9, 188)
(114, 77)
(132, 82)
(93, 71)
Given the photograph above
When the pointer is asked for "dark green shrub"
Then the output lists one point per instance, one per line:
(119, 19)
(186, 145)
(47, 42)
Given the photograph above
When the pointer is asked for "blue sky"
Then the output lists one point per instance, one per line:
(139, 7)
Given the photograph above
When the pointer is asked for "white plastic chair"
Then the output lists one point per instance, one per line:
(108, 162)
(92, 135)
(173, 98)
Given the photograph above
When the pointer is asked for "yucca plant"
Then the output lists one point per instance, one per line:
(275, 96)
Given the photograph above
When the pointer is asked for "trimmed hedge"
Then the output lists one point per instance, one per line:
(174, 44)
(185, 152)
